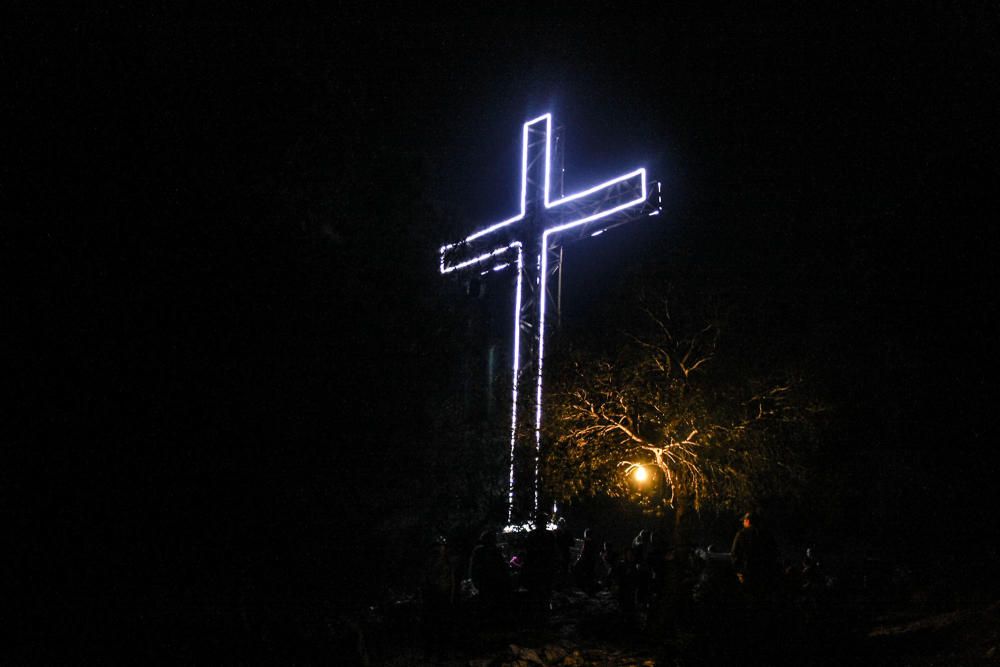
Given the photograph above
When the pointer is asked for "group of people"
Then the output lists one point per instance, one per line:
(630, 572)
(645, 569)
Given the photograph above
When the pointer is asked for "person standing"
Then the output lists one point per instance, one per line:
(439, 595)
(490, 574)
(644, 575)
(564, 551)
(585, 568)
(539, 565)
(754, 555)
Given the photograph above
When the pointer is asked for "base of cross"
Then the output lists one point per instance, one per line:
(526, 527)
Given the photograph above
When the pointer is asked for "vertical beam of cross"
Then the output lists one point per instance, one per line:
(537, 229)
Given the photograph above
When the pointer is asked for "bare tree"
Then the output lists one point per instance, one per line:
(666, 404)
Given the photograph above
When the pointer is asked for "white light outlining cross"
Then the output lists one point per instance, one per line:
(540, 220)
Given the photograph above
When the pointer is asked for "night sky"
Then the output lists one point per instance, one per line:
(230, 251)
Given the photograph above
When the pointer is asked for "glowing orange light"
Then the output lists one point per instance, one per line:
(640, 474)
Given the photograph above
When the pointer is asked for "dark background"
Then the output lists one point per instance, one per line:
(229, 239)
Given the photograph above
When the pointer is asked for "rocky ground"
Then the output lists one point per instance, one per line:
(577, 630)
(583, 630)
(967, 636)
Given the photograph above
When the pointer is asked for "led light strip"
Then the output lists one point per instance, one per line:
(542, 264)
(641, 172)
(516, 364)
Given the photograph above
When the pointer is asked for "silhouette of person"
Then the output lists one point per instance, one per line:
(539, 564)
(754, 555)
(564, 546)
(490, 573)
(644, 575)
(586, 565)
(439, 595)
(625, 577)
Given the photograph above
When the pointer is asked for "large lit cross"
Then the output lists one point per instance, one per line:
(528, 239)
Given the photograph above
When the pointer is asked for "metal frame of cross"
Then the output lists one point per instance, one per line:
(540, 220)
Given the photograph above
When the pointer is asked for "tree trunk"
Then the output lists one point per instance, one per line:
(685, 520)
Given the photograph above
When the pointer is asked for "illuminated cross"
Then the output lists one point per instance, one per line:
(528, 240)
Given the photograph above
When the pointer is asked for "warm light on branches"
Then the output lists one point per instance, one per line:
(663, 402)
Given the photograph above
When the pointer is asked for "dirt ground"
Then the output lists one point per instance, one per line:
(578, 629)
